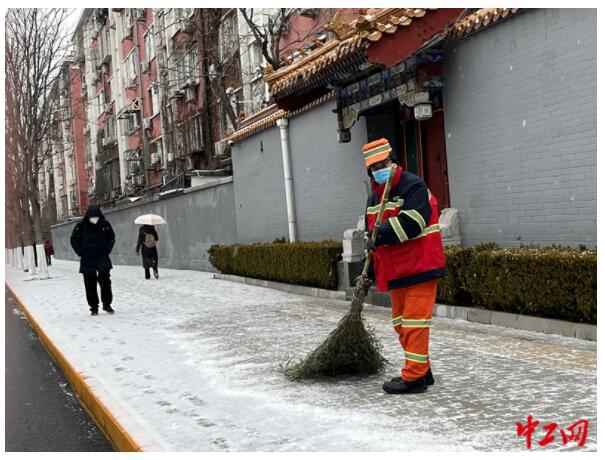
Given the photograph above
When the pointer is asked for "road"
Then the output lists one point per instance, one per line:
(41, 412)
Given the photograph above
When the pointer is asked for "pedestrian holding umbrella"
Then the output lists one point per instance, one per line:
(146, 243)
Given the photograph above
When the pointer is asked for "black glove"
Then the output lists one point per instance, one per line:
(370, 245)
(366, 285)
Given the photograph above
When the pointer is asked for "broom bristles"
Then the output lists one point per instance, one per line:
(351, 348)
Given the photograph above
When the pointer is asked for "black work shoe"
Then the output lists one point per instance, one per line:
(428, 377)
(415, 386)
(156, 274)
(94, 312)
(108, 309)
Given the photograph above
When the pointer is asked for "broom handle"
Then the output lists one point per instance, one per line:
(383, 205)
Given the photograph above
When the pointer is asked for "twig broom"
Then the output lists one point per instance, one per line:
(351, 348)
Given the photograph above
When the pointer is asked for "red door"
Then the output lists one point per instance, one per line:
(434, 158)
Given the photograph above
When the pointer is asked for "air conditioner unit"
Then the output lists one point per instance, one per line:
(108, 107)
(147, 123)
(219, 148)
(88, 164)
(140, 13)
(145, 67)
(177, 93)
(132, 83)
(170, 156)
(139, 180)
(86, 128)
(423, 111)
(190, 93)
(155, 159)
(104, 142)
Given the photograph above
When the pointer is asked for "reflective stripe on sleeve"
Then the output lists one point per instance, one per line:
(398, 229)
(416, 216)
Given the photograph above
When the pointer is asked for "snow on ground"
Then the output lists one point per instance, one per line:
(197, 363)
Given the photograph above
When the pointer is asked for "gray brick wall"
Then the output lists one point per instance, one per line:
(260, 193)
(328, 180)
(196, 220)
(520, 123)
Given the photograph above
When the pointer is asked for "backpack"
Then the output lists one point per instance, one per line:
(149, 240)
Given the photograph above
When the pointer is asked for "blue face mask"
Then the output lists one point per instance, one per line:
(382, 175)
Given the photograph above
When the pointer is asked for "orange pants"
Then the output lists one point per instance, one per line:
(412, 313)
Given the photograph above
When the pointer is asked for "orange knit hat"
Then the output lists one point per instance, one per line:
(376, 151)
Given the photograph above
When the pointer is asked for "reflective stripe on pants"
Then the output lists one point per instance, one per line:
(412, 310)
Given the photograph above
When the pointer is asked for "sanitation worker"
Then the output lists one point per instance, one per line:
(407, 259)
(92, 240)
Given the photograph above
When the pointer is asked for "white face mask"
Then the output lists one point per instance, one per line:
(93, 220)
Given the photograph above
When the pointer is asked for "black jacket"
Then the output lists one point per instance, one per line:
(145, 251)
(93, 242)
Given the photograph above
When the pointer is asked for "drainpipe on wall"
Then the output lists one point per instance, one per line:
(285, 149)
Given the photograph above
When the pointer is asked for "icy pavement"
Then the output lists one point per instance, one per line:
(197, 363)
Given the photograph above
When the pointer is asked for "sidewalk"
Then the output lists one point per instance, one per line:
(191, 363)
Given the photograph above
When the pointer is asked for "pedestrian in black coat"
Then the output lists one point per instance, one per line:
(92, 239)
(146, 244)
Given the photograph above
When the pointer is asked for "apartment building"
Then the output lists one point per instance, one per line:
(149, 96)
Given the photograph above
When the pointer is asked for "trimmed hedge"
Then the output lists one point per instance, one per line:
(307, 264)
(554, 282)
(551, 282)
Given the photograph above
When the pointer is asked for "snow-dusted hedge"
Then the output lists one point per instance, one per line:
(306, 264)
(553, 282)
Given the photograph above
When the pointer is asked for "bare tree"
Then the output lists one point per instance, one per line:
(36, 43)
(268, 35)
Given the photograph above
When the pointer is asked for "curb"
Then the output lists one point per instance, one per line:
(291, 288)
(113, 430)
(517, 321)
(580, 331)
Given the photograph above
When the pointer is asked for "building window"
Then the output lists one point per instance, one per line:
(182, 71)
(132, 122)
(110, 129)
(229, 37)
(129, 70)
(127, 24)
(156, 152)
(193, 63)
(101, 101)
(149, 44)
(154, 100)
(255, 59)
